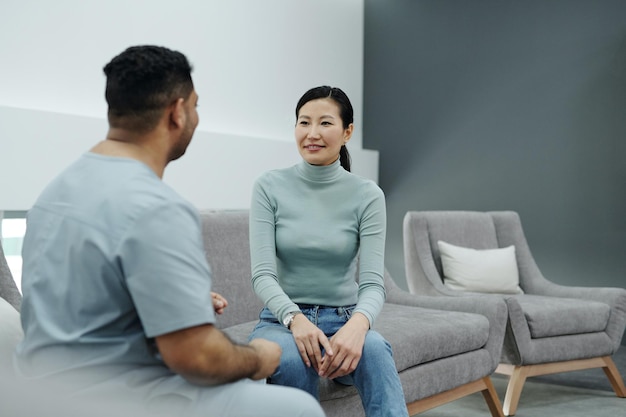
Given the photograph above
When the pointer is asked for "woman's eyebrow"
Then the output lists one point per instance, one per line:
(324, 116)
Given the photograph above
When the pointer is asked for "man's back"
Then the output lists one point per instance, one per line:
(103, 270)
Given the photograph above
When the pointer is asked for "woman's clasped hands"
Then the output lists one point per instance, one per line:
(334, 357)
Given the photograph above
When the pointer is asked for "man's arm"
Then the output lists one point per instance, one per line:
(204, 355)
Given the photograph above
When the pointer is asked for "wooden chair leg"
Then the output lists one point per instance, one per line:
(614, 376)
(483, 385)
(425, 404)
(514, 389)
(491, 398)
(518, 375)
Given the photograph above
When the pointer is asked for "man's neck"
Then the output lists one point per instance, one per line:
(123, 144)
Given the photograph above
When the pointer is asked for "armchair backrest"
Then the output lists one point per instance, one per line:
(477, 230)
(227, 246)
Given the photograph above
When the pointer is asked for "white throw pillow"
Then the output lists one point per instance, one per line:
(486, 270)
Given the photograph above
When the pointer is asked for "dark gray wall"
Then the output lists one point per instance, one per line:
(516, 105)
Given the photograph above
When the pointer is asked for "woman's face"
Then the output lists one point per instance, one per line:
(320, 133)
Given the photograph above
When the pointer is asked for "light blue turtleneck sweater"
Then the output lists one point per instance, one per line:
(309, 227)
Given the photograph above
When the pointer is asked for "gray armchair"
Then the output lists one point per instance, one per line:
(551, 328)
(10, 326)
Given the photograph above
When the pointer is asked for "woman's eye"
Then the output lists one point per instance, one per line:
(326, 123)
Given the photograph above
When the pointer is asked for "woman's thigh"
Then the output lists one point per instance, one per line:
(292, 370)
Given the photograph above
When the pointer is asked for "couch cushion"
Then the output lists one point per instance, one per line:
(10, 334)
(553, 316)
(416, 335)
(225, 234)
(419, 335)
(239, 333)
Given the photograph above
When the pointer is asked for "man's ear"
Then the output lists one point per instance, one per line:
(178, 115)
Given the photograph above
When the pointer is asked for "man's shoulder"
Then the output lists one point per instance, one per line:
(109, 191)
(128, 179)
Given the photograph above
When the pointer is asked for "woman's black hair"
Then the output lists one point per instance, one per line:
(345, 111)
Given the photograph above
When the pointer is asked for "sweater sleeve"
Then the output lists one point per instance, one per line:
(263, 254)
(372, 232)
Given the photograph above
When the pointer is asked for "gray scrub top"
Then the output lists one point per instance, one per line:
(112, 258)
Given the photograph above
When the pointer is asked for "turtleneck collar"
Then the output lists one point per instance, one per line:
(320, 173)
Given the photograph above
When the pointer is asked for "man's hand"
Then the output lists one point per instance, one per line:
(269, 357)
(347, 345)
(219, 302)
(204, 355)
(309, 338)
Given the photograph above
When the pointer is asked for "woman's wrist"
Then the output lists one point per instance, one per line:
(361, 320)
(297, 319)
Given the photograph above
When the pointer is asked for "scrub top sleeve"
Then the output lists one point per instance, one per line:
(166, 270)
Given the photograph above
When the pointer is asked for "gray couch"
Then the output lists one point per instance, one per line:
(444, 348)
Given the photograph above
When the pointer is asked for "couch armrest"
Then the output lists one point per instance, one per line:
(492, 307)
(8, 289)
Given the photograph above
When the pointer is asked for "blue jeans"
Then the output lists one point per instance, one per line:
(375, 377)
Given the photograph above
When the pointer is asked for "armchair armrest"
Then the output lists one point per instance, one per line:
(614, 297)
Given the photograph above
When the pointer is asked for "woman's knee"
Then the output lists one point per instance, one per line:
(375, 344)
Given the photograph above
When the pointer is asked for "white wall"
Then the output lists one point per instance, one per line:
(252, 61)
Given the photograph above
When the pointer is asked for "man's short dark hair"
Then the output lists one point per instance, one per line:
(141, 82)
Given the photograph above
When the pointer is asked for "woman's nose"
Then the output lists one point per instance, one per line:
(313, 133)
